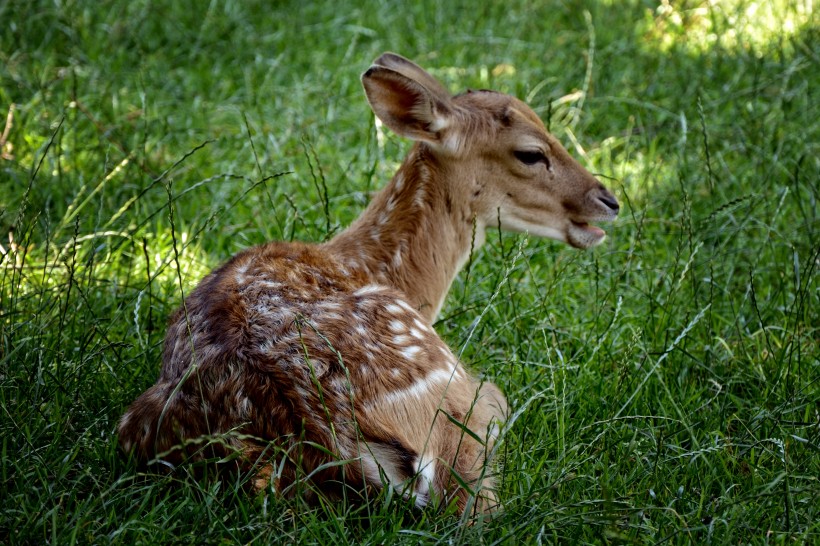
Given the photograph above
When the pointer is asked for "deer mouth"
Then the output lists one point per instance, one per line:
(584, 234)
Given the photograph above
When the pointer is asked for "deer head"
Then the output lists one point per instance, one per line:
(495, 152)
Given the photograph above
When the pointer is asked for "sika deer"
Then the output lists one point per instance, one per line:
(295, 355)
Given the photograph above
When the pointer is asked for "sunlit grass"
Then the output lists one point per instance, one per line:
(727, 24)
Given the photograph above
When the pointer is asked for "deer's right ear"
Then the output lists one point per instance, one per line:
(406, 105)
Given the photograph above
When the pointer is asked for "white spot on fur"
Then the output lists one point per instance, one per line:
(395, 372)
(265, 283)
(426, 471)
(391, 203)
(397, 258)
(410, 352)
(240, 272)
(125, 420)
(406, 306)
(303, 394)
(330, 306)
(419, 387)
(416, 334)
(455, 370)
(420, 197)
(392, 308)
(397, 326)
(399, 182)
(243, 403)
(340, 385)
(400, 340)
(420, 325)
(453, 141)
(439, 123)
(368, 289)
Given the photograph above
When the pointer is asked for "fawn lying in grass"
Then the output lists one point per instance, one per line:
(300, 356)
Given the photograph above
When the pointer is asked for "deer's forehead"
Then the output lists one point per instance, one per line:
(524, 128)
(525, 116)
(523, 111)
(506, 113)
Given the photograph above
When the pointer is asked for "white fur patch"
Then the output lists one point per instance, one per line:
(424, 482)
(397, 326)
(330, 306)
(125, 420)
(420, 325)
(439, 123)
(369, 289)
(391, 203)
(395, 309)
(399, 182)
(411, 352)
(243, 403)
(453, 141)
(455, 371)
(419, 198)
(419, 387)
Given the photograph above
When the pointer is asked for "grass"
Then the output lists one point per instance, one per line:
(666, 384)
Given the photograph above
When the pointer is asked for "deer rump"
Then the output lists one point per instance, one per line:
(285, 360)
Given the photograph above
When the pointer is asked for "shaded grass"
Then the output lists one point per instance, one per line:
(666, 384)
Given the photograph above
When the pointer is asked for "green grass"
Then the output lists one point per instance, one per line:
(665, 384)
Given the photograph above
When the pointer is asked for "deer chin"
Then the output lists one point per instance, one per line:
(583, 235)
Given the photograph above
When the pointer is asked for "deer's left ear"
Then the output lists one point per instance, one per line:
(406, 105)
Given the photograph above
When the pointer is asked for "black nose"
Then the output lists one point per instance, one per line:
(608, 200)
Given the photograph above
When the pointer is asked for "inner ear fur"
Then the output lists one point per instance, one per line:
(407, 99)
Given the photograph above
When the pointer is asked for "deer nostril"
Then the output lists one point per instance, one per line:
(610, 202)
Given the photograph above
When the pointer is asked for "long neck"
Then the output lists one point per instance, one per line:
(415, 235)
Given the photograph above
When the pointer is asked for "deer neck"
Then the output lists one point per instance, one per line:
(416, 234)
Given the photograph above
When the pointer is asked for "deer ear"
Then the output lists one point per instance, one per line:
(413, 71)
(405, 104)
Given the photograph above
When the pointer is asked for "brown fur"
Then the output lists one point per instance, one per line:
(292, 355)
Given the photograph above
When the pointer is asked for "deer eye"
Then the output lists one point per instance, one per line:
(530, 157)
